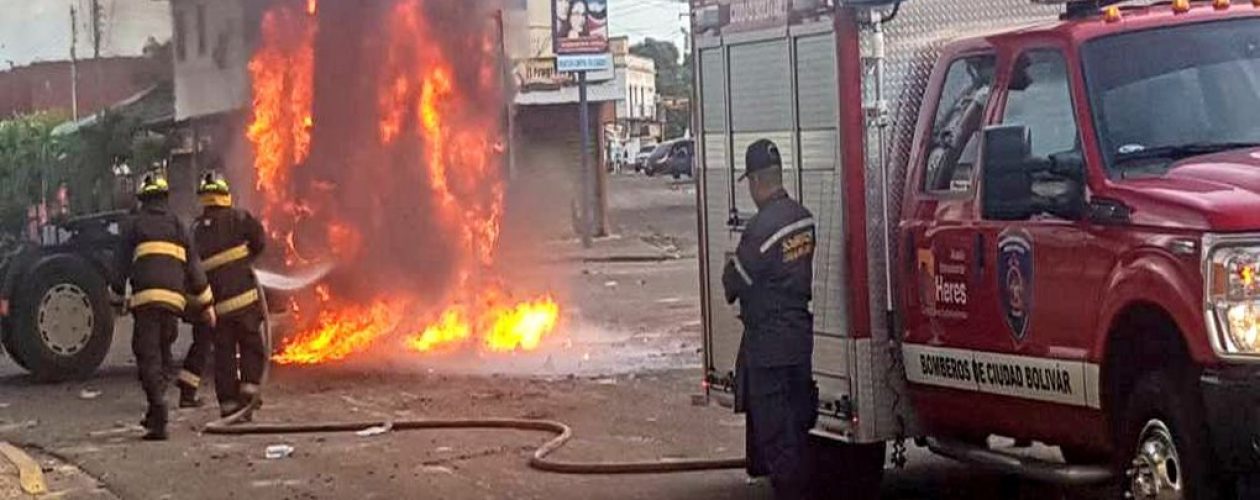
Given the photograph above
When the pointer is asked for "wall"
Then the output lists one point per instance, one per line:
(211, 77)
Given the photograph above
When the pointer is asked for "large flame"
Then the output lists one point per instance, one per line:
(425, 102)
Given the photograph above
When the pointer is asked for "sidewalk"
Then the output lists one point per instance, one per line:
(617, 248)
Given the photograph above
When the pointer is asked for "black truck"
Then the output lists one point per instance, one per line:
(60, 322)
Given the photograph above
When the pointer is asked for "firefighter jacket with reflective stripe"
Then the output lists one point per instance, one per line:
(228, 242)
(154, 256)
(771, 275)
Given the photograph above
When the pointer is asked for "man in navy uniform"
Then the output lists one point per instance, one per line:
(771, 275)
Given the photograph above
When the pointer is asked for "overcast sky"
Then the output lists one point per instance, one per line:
(640, 19)
(39, 30)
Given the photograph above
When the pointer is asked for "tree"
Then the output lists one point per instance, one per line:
(673, 80)
(30, 165)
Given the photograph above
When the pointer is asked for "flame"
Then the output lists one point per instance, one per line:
(429, 98)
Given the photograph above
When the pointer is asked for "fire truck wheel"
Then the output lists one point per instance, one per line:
(1164, 448)
(63, 323)
(851, 471)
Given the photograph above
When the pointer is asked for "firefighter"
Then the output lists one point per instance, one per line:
(228, 241)
(771, 275)
(165, 279)
(189, 379)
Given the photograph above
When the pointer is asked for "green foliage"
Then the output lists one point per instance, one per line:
(673, 80)
(29, 156)
(34, 163)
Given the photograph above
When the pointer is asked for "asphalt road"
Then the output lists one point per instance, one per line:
(622, 372)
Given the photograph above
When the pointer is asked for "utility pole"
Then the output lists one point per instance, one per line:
(96, 29)
(74, 65)
(588, 189)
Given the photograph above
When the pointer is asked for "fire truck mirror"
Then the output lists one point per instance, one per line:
(1007, 187)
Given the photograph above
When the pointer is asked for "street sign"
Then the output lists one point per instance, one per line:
(584, 63)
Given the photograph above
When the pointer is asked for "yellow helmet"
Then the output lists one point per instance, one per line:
(152, 186)
(214, 191)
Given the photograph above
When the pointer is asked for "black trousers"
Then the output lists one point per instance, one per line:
(239, 358)
(781, 409)
(155, 331)
(198, 356)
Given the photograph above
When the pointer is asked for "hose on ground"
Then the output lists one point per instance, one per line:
(231, 425)
(539, 460)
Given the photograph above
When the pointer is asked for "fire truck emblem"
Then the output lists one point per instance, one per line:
(1015, 280)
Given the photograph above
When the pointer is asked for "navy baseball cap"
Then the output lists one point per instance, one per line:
(761, 155)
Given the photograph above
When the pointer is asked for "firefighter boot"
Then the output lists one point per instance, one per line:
(155, 424)
(188, 397)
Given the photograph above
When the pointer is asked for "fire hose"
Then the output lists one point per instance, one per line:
(232, 425)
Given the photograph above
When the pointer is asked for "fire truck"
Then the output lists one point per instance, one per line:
(1036, 220)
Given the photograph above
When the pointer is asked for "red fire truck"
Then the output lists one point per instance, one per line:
(1036, 220)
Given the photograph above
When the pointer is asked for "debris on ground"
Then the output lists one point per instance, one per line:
(89, 394)
(279, 451)
(376, 431)
(17, 426)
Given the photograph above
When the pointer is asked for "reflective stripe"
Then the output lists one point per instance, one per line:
(159, 295)
(236, 303)
(226, 257)
(216, 200)
(151, 248)
(249, 389)
(788, 229)
(742, 272)
(206, 298)
(189, 378)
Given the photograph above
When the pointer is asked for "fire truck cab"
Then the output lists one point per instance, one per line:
(1036, 220)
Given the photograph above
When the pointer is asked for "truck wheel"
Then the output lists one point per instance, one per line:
(6, 340)
(850, 471)
(1164, 447)
(63, 321)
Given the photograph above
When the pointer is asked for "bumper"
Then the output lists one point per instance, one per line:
(1232, 409)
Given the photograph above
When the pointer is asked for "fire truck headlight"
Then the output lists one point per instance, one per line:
(1233, 298)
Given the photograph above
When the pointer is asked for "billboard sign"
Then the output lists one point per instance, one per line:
(579, 26)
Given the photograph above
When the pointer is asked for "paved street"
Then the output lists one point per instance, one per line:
(622, 372)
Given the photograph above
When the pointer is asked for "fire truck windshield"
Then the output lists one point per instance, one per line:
(1165, 94)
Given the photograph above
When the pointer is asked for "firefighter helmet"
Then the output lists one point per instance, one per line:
(214, 191)
(153, 185)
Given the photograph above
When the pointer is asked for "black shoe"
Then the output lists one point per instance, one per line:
(188, 398)
(157, 433)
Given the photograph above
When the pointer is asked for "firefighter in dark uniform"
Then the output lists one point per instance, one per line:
(229, 240)
(166, 280)
(771, 275)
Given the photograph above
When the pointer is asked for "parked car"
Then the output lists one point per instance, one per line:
(672, 158)
(641, 159)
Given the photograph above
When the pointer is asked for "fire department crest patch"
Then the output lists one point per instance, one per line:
(1015, 280)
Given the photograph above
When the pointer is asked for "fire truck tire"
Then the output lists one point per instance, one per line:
(851, 471)
(62, 319)
(1164, 441)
